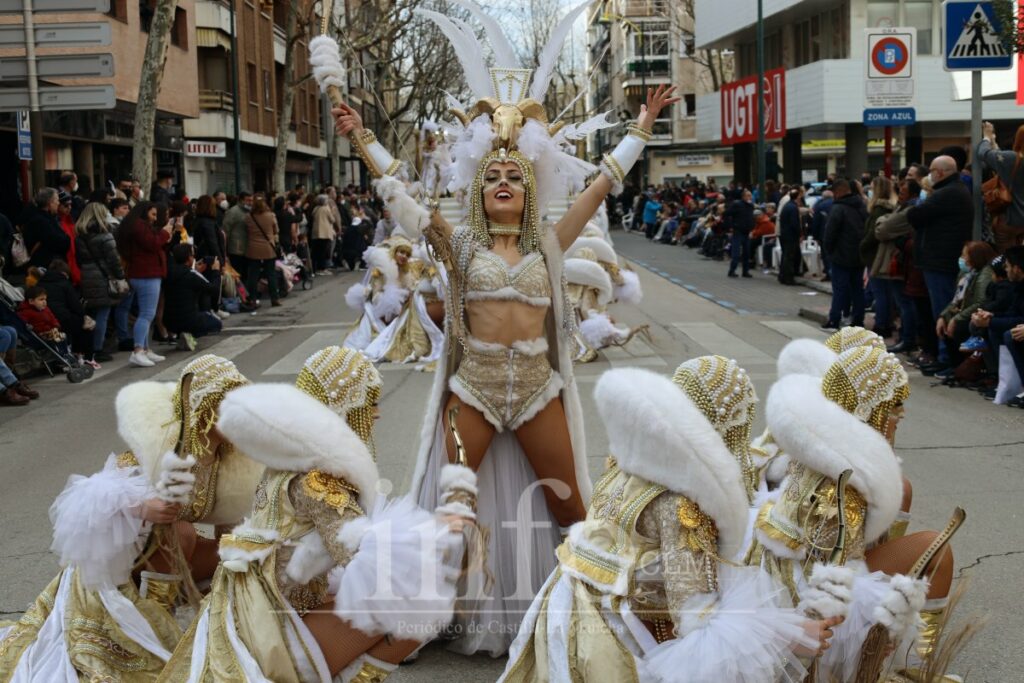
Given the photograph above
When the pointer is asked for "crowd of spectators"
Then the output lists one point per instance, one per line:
(86, 277)
(901, 248)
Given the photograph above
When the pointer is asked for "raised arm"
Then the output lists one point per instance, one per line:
(615, 167)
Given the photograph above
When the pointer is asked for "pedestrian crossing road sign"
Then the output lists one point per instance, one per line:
(971, 37)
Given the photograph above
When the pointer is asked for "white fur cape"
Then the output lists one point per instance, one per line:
(805, 357)
(817, 432)
(603, 250)
(656, 432)
(286, 429)
(579, 271)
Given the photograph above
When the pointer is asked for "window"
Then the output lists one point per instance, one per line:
(146, 8)
(179, 29)
(267, 89)
(916, 13)
(118, 10)
(250, 83)
(689, 110)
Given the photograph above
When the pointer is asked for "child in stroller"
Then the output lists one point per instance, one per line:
(39, 328)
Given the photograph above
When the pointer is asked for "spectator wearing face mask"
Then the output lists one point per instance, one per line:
(160, 193)
(942, 225)
(69, 185)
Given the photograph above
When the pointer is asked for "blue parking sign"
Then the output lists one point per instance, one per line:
(971, 37)
(24, 137)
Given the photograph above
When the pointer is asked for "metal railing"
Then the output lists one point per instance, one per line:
(642, 8)
(216, 99)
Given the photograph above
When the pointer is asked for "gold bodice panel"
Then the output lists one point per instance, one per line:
(490, 277)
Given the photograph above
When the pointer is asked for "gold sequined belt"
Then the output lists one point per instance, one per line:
(508, 384)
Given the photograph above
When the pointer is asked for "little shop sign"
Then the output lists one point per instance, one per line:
(203, 148)
(739, 108)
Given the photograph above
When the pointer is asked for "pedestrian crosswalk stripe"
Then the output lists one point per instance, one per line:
(291, 362)
(300, 326)
(794, 329)
(228, 348)
(716, 339)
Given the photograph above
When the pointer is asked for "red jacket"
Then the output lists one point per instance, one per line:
(147, 257)
(41, 321)
(68, 226)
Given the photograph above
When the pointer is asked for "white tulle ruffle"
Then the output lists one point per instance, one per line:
(745, 638)
(398, 582)
(96, 526)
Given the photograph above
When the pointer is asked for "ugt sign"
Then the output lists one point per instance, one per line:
(739, 108)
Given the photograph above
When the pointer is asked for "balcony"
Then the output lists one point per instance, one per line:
(642, 8)
(216, 100)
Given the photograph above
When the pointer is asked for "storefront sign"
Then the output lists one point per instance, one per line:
(739, 108)
(683, 160)
(201, 148)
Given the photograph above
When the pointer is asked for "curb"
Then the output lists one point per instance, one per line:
(813, 315)
(817, 285)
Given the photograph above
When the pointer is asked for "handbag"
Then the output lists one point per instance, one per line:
(996, 195)
(19, 252)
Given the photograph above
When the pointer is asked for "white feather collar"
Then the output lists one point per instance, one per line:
(286, 429)
(657, 433)
(818, 433)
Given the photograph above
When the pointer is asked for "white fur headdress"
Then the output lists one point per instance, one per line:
(805, 357)
(657, 433)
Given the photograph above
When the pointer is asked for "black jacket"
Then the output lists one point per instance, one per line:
(63, 300)
(789, 223)
(41, 228)
(740, 215)
(99, 262)
(844, 231)
(209, 239)
(182, 290)
(942, 224)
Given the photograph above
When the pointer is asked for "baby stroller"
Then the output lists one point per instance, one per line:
(53, 356)
(305, 264)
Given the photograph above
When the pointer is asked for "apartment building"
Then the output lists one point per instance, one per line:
(636, 43)
(261, 44)
(98, 143)
(821, 45)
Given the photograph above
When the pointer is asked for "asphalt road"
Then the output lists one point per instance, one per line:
(957, 448)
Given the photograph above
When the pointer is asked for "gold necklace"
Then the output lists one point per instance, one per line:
(504, 229)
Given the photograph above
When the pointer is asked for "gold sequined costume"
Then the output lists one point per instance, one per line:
(641, 591)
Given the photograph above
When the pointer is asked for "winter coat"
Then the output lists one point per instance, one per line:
(236, 230)
(97, 252)
(208, 238)
(942, 225)
(740, 215)
(973, 297)
(998, 297)
(324, 223)
(844, 231)
(891, 232)
(41, 321)
(44, 238)
(262, 229)
(63, 299)
(869, 243)
(1008, 166)
(789, 223)
(182, 291)
(146, 255)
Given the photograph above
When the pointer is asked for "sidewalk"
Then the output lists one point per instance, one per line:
(761, 295)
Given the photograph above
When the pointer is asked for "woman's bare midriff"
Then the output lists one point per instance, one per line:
(505, 322)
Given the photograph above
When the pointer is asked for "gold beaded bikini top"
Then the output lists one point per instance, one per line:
(489, 277)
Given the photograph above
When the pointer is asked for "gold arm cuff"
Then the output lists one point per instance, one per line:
(618, 174)
(393, 168)
(361, 142)
(367, 137)
(638, 132)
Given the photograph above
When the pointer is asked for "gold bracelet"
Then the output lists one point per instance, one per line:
(618, 175)
(367, 137)
(638, 132)
(393, 168)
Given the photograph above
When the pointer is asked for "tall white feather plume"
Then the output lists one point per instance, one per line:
(410, 215)
(559, 174)
(453, 103)
(325, 59)
(468, 51)
(469, 150)
(549, 56)
(504, 54)
(581, 131)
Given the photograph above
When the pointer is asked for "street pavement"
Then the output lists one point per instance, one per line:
(957, 448)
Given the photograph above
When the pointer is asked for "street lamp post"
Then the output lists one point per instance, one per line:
(234, 98)
(760, 100)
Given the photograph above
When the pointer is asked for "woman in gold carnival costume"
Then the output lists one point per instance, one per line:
(270, 615)
(641, 591)
(509, 331)
(847, 419)
(395, 324)
(125, 538)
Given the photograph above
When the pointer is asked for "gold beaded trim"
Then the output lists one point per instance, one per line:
(367, 137)
(393, 168)
(529, 238)
(852, 337)
(504, 229)
(332, 490)
(867, 382)
(212, 378)
(345, 381)
(618, 175)
(702, 533)
(636, 131)
(127, 459)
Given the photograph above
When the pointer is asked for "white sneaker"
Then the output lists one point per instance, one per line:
(140, 359)
(154, 357)
(223, 315)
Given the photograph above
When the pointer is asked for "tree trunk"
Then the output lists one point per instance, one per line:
(149, 87)
(284, 115)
